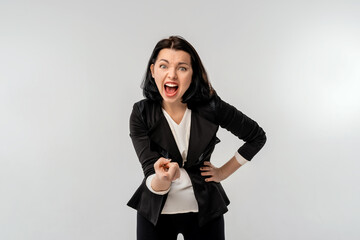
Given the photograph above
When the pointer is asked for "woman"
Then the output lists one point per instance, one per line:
(174, 133)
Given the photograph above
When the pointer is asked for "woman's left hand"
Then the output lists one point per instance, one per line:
(215, 174)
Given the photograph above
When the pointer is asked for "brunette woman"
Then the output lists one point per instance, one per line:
(174, 133)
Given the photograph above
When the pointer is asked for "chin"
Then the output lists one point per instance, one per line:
(171, 99)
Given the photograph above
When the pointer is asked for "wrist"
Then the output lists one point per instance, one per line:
(222, 173)
(158, 184)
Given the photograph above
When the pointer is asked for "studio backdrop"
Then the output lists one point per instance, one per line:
(70, 72)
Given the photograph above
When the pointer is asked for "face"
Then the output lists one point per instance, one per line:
(172, 73)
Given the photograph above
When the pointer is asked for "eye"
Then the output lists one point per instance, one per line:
(182, 69)
(162, 66)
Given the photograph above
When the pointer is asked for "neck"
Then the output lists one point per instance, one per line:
(178, 107)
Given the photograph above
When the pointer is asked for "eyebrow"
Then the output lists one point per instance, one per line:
(164, 60)
(178, 63)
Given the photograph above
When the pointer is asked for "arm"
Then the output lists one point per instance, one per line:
(245, 129)
(160, 171)
(241, 126)
(141, 142)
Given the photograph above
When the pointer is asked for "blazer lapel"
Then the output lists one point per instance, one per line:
(202, 132)
(161, 134)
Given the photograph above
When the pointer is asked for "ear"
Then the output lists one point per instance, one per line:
(152, 70)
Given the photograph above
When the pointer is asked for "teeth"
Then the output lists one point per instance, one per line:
(170, 85)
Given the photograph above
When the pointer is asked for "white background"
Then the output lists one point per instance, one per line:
(70, 72)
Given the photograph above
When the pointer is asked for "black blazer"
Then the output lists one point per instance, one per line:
(152, 139)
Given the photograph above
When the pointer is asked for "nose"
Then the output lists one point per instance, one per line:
(172, 73)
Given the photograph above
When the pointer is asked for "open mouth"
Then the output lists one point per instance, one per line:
(170, 89)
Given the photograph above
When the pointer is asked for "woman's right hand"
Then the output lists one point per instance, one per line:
(165, 172)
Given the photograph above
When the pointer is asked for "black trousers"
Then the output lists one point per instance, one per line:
(170, 225)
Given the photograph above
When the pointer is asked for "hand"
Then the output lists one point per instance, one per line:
(215, 174)
(166, 172)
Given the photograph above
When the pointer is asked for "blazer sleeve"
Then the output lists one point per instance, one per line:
(141, 142)
(241, 126)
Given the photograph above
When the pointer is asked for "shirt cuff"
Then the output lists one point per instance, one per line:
(240, 158)
(148, 184)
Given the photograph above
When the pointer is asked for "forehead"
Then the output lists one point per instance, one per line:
(174, 56)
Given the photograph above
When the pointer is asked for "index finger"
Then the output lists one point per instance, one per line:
(161, 161)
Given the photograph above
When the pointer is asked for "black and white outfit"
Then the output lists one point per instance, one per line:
(190, 199)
